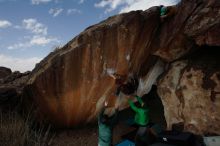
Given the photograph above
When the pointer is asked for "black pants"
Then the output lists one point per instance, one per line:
(144, 137)
(140, 138)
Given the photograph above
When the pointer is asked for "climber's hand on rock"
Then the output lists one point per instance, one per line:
(111, 75)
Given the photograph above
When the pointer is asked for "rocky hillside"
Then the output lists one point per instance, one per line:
(70, 85)
(11, 87)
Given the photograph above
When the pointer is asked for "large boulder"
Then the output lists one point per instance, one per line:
(190, 92)
(70, 85)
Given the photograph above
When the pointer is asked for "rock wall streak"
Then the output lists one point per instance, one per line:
(71, 84)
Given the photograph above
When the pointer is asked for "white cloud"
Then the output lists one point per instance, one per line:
(34, 26)
(81, 1)
(129, 5)
(38, 37)
(4, 24)
(73, 11)
(19, 45)
(113, 4)
(41, 40)
(145, 4)
(37, 2)
(55, 11)
(22, 64)
(34, 41)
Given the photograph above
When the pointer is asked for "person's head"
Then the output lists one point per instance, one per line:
(105, 119)
(130, 87)
(108, 113)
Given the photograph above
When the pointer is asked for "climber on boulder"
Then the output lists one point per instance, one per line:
(167, 11)
(128, 87)
(106, 121)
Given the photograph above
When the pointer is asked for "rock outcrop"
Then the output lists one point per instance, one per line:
(4, 72)
(190, 92)
(11, 89)
(70, 85)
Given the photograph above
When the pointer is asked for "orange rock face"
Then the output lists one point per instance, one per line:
(70, 85)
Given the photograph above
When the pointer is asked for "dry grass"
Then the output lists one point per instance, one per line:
(16, 131)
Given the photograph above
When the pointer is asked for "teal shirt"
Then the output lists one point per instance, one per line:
(105, 130)
(142, 114)
(163, 11)
(105, 135)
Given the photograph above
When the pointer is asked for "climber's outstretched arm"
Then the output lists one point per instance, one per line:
(133, 106)
(139, 99)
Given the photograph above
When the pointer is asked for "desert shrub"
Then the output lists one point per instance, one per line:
(17, 131)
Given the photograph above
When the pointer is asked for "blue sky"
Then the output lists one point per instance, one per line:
(30, 29)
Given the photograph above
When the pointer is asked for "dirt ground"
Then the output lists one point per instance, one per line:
(87, 136)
